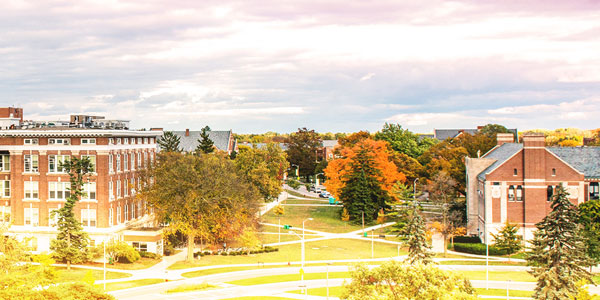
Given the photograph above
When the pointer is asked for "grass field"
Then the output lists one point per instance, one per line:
(334, 249)
(297, 194)
(302, 201)
(76, 274)
(288, 277)
(334, 291)
(491, 263)
(113, 286)
(259, 298)
(142, 263)
(285, 237)
(499, 276)
(191, 287)
(326, 218)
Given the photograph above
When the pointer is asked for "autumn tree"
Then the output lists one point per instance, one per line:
(264, 168)
(169, 142)
(395, 281)
(557, 254)
(71, 242)
(386, 171)
(508, 240)
(363, 190)
(442, 193)
(404, 141)
(205, 144)
(302, 150)
(201, 196)
(447, 157)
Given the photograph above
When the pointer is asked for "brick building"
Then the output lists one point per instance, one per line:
(33, 184)
(514, 182)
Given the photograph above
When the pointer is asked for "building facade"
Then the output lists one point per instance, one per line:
(514, 182)
(33, 184)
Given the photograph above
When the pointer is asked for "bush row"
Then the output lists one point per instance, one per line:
(266, 249)
(149, 255)
(467, 239)
(478, 249)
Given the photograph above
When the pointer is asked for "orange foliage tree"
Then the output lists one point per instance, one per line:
(338, 168)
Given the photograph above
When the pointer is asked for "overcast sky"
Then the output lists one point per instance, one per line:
(329, 65)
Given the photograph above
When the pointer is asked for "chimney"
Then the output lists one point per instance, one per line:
(156, 129)
(187, 132)
(503, 138)
(534, 140)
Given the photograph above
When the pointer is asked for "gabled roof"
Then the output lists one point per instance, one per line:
(443, 134)
(501, 154)
(329, 143)
(283, 146)
(189, 143)
(583, 159)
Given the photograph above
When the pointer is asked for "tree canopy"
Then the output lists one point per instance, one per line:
(264, 168)
(302, 150)
(169, 142)
(404, 141)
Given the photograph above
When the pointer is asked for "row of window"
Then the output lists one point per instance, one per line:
(130, 211)
(31, 216)
(92, 141)
(124, 187)
(132, 141)
(56, 190)
(31, 162)
(129, 161)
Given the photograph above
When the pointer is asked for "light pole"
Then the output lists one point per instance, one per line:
(317, 179)
(362, 213)
(328, 280)
(104, 249)
(415, 190)
(487, 255)
(302, 245)
(297, 170)
(372, 248)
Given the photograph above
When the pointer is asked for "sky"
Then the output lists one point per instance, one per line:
(329, 65)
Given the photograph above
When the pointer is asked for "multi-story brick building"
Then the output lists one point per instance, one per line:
(33, 184)
(514, 182)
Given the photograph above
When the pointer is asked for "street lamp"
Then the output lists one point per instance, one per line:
(317, 178)
(328, 264)
(297, 169)
(302, 243)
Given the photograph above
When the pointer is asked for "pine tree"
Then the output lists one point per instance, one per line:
(169, 142)
(558, 254)
(362, 191)
(205, 144)
(508, 240)
(71, 241)
(416, 239)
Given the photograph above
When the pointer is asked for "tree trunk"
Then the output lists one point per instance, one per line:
(445, 244)
(190, 246)
(68, 265)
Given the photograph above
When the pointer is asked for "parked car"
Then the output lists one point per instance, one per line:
(324, 194)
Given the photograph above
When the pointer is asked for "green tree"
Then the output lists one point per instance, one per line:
(302, 150)
(492, 129)
(403, 141)
(169, 142)
(395, 281)
(557, 253)
(122, 252)
(362, 191)
(71, 242)
(442, 193)
(205, 144)
(508, 240)
(264, 168)
(589, 218)
(201, 196)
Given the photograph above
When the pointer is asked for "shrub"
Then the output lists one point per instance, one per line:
(467, 239)
(122, 252)
(168, 250)
(149, 255)
(478, 249)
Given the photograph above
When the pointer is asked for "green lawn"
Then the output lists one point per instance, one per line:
(288, 277)
(191, 287)
(325, 218)
(274, 238)
(77, 274)
(334, 291)
(320, 250)
(499, 276)
(297, 194)
(501, 292)
(259, 298)
(491, 263)
(113, 286)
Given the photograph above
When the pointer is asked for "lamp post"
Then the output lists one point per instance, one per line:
(372, 239)
(297, 169)
(362, 213)
(104, 249)
(328, 280)
(415, 190)
(317, 179)
(302, 251)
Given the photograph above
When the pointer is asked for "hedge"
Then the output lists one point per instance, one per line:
(478, 249)
(467, 239)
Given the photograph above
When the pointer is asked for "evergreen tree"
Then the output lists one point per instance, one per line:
(169, 142)
(589, 218)
(71, 241)
(205, 144)
(558, 254)
(508, 240)
(362, 191)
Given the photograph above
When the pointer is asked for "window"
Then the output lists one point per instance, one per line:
(140, 246)
(59, 190)
(110, 217)
(4, 188)
(88, 217)
(515, 172)
(92, 159)
(88, 141)
(4, 163)
(111, 193)
(125, 162)
(145, 158)
(110, 163)
(594, 191)
(553, 172)
(511, 193)
(118, 189)
(118, 141)
(132, 186)
(31, 162)
(118, 162)
(89, 191)
(32, 216)
(118, 215)
(139, 208)
(4, 213)
(519, 193)
(59, 141)
(31, 190)
(126, 212)
(132, 161)
(132, 211)
(139, 140)
(151, 157)
(125, 187)
(111, 141)
(55, 163)
(139, 159)
(30, 141)
(549, 193)
(126, 141)
(145, 140)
